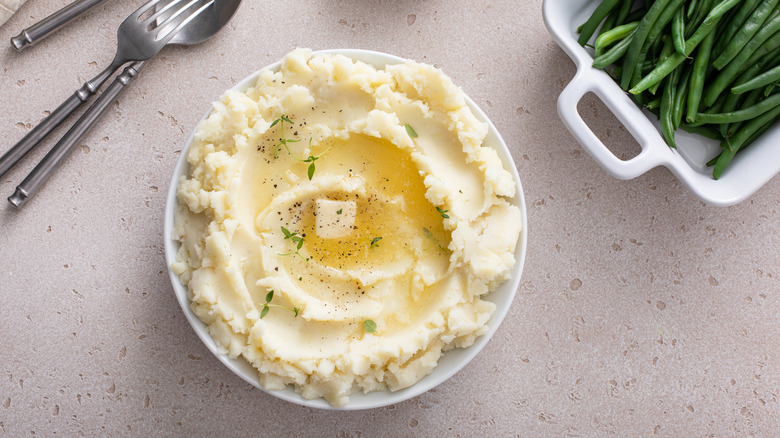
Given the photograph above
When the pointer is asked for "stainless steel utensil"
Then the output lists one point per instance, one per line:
(40, 30)
(139, 37)
(215, 16)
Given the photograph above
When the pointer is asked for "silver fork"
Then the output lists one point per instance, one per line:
(140, 36)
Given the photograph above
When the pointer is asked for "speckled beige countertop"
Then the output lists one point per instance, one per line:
(641, 311)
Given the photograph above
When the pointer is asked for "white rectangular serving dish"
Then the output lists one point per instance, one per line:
(750, 169)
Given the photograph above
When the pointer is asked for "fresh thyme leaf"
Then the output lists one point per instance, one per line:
(267, 306)
(433, 238)
(375, 241)
(282, 140)
(409, 130)
(274, 123)
(297, 240)
(443, 213)
(339, 211)
(369, 326)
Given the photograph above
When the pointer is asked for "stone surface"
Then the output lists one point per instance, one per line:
(641, 311)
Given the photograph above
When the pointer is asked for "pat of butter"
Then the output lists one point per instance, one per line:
(335, 218)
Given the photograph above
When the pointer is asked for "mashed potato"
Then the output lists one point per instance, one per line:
(332, 197)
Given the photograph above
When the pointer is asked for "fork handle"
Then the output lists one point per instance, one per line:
(46, 167)
(32, 138)
(52, 23)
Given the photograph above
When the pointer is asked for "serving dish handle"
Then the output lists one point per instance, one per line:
(624, 110)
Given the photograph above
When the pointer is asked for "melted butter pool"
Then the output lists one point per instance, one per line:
(390, 221)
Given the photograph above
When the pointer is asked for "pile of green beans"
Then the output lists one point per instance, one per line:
(711, 67)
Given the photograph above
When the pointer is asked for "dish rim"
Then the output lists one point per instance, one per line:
(454, 360)
(747, 173)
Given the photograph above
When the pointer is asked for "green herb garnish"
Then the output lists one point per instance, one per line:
(433, 238)
(311, 159)
(409, 130)
(369, 326)
(443, 213)
(282, 140)
(267, 306)
(375, 242)
(297, 240)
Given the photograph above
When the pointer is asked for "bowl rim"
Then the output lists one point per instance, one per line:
(358, 400)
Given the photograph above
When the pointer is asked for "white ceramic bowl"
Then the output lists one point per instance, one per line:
(750, 169)
(450, 363)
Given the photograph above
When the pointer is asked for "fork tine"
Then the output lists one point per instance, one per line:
(173, 24)
(166, 9)
(149, 5)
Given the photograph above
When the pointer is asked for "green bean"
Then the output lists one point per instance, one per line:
(680, 97)
(717, 157)
(678, 30)
(653, 104)
(704, 131)
(666, 51)
(743, 114)
(667, 109)
(755, 69)
(613, 54)
(610, 21)
(745, 33)
(611, 36)
(752, 98)
(759, 81)
(740, 139)
(653, 44)
(593, 22)
(671, 63)
(764, 41)
(638, 41)
(659, 73)
(698, 17)
(635, 16)
(758, 133)
(640, 99)
(656, 31)
(709, 24)
(692, 5)
(718, 105)
(734, 25)
(700, 64)
(731, 104)
(622, 13)
(654, 39)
